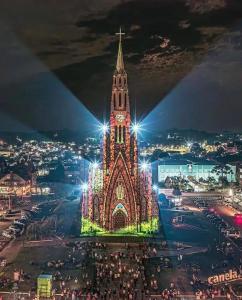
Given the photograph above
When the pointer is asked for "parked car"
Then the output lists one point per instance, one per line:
(20, 222)
(233, 234)
(8, 233)
(3, 262)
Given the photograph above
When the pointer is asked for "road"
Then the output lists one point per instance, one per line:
(227, 213)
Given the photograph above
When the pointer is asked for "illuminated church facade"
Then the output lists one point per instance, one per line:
(119, 196)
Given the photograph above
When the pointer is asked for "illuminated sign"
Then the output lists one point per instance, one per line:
(230, 275)
(44, 286)
(238, 219)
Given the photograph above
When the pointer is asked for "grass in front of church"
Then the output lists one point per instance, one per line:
(147, 229)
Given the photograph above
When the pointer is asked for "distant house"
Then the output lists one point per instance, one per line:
(14, 185)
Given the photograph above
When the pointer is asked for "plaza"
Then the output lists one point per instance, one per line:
(178, 262)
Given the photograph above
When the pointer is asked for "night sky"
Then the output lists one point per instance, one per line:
(183, 58)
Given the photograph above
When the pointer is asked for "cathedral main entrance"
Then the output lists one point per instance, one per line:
(119, 220)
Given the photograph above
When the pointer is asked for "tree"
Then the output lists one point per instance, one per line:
(220, 151)
(176, 192)
(58, 174)
(168, 182)
(196, 149)
(222, 171)
(158, 154)
(211, 181)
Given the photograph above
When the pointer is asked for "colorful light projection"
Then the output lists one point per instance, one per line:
(119, 199)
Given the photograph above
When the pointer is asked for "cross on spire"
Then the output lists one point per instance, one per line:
(120, 33)
(120, 61)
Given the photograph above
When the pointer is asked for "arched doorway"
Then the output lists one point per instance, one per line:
(119, 220)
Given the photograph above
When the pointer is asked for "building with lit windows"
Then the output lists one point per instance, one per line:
(118, 197)
(185, 168)
(240, 174)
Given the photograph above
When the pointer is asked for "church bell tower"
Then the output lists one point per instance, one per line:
(120, 159)
(119, 195)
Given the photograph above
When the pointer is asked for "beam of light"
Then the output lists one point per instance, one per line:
(51, 105)
(194, 101)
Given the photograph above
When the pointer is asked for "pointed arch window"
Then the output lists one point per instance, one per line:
(114, 101)
(120, 100)
(120, 80)
(121, 207)
(116, 134)
(120, 135)
(125, 100)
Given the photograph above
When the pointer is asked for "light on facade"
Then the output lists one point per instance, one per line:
(144, 166)
(84, 187)
(136, 127)
(94, 165)
(155, 188)
(104, 128)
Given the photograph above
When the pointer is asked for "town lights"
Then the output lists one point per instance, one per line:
(84, 187)
(136, 127)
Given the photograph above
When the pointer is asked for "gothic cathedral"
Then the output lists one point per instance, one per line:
(119, 197)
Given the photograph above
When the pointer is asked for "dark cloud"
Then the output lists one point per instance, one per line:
(166, 41)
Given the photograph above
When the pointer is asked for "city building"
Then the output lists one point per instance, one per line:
(185, 168)
(13, 187)
(240, 174)
(119, 195)
(13, 184)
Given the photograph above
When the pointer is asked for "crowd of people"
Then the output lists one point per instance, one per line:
(123, 272)
(118, 274)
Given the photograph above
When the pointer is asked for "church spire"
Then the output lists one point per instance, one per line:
(120, 60)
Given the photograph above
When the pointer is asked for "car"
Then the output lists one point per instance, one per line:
(14, 229)
(3, 262)
(35, 209)
(24, 221)
(19, 222)
(19, 226)
(8, 233)
(233, 234)
(71, 197)
(223, 225)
